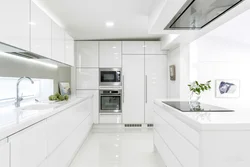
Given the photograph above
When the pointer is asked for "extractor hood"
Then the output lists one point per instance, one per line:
(27, 55)
(196, 14)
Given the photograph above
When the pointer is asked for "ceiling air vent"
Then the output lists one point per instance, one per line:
(196, 14)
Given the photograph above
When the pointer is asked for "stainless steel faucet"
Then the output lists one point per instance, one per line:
(19, 99)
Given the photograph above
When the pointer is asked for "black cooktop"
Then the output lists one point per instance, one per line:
(184, 106)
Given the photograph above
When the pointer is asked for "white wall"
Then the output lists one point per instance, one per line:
(180, 58)
(224, 53)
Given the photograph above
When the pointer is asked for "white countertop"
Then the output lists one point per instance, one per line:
(13, 120)
(238, 120)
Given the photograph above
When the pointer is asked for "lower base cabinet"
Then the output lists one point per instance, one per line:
(28, 148)
(64, 154)
(4, 153)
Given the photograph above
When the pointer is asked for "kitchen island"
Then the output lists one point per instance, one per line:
(201, 139)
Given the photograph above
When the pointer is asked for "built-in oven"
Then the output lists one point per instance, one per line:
(111, 101)
(110, 77)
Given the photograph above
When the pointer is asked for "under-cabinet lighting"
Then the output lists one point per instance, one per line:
(28, 60)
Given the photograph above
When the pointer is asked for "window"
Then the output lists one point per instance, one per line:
(26, 89)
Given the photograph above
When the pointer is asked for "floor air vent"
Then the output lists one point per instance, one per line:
(150, 125)
(133, 125)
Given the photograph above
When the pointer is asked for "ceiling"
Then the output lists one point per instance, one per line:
(85, 19)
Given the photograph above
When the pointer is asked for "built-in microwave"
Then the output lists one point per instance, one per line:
(110, 77)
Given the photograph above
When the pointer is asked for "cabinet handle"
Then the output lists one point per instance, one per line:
(146, 88)
(123, 88)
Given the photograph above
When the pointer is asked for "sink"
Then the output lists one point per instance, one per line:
(39, 107)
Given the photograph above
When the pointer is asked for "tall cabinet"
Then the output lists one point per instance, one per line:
(133, 89)
(144, 79)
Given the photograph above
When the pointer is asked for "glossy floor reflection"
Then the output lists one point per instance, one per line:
(128, 148)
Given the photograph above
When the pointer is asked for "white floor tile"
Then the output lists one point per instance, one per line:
(126, 148)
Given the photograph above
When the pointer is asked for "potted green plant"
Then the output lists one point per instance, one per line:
(196, 89)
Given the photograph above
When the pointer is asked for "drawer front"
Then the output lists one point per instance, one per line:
(183, 150)
(110, 119)
(4, 153)
(187, 132)
(165, 153)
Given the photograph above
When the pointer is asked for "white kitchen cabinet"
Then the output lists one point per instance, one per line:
(4, 153)
(57, 43)
(69, 50)
(95, 103)
(15, 19)
(133, 47)
(87, 78)
(133, 89)
(64, 154)
(156, 82)
(154, 48)
(110, 54)
(110, 118)
(64, 123)
(87, 54)
(29, 147)
(40, 32)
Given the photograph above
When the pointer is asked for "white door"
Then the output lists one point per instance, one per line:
(87, 78)
(57, 43)
(40, 32)
(133, 47)
(29, 147)
(156, 82)
(4, 153)
(87, 54)
(154, 48)
(15, 19)
(69, 50)
(110, 54)
(133, 89)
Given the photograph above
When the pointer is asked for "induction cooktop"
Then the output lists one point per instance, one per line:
(184, 106)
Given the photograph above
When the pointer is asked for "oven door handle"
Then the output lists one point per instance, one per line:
(111, 95)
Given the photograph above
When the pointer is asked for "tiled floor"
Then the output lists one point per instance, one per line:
(126, 148)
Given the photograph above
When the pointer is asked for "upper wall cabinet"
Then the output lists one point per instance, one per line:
(40, 32)
(110, 54)
(69, 50)
(133, 47)
(154, 48)
(57, 43)
(87, 54)
(15, 19)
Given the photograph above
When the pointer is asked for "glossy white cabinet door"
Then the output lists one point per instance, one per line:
(57, 43)
(29, 147)
(15, 27)
(133, 47)
(40, 32)
(87, 54)
(133, 91)
(87, 78)
(154, 48)
(95, 103)
(110, 54)
(156, 82)
(64, 154)
(4, 153)
(69, 50)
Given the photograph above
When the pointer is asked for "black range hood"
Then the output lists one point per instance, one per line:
(196, 14)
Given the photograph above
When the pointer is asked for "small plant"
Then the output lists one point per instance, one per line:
(197, 87)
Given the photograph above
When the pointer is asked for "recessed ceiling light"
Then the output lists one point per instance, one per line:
(114, 47)
(110, 24)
